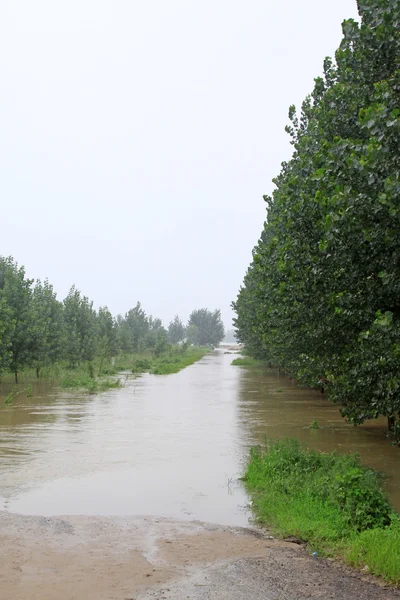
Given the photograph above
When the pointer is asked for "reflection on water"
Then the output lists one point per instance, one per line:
(165, 445)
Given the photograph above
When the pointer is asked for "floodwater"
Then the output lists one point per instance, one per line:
(170, 446)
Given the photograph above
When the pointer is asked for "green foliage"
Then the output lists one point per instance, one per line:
(28, 391)
(192, 334)
(321, 296)
(89, 384)
(340, 482)
(248, 361)
(329, 501)
(107, 345)
(176, 361)
(73, 343)
(209, 327)
(378, 550)
(9, 399)
(176, 331)
(48, 327)
(17, 315)
(142, 365)
(80, 328)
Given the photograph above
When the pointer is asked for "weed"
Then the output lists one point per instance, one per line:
(28, 391)
(327, 500)
(89, 384)
(247, 361)
(9, 399)
(176, 361)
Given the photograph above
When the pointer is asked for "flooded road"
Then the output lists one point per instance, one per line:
(171, 446)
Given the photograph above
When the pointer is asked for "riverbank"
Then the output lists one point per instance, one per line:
(130, 558)
(101, 375)
(328, 501)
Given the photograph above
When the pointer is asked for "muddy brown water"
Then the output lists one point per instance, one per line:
(171, 446)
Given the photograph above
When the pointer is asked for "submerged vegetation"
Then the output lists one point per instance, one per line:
(321, 296)
(328, 501)
(248, 361)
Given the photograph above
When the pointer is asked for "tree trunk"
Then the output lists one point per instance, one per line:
(391, 422)
(37, 372)
(16, 376)
(101, 366)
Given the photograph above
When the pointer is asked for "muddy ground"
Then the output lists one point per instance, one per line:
(85, 558)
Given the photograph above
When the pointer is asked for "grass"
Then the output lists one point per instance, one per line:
(99, 375)
(328, 501)
(174, 362)
(93, 385)
(247, 361)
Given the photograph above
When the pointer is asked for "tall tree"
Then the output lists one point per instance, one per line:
(137, 324)
(48, 326)
(107, 342)
(321, 297)
(16, 306)
(80, 327)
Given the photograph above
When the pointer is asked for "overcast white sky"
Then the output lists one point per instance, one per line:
(138, 137)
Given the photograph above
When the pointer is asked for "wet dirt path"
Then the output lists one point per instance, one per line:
(118, 558)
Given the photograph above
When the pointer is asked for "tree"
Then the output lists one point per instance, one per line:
(156, 338)
(137, 325)
(192, 334)
(124, 338)
(6, 315)
(81, 328)
(48, 326)
(16, 307)
(176, 331)
(321, 297)
(210, 329)
(107, 335)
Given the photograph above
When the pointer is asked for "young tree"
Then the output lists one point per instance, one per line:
(137, 324)
(81, 328)
(124, 337)
(16, 306)
(6, 316)
(106, 335)
(156, 338)
(176, 331)
(210, 329)
(48, 326)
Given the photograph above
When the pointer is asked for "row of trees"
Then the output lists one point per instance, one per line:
(37, 330)
(321, 297)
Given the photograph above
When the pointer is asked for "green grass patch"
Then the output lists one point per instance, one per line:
(379, 549)
(92, 385)
(178, 359)
(171, 361)
(329, 501)
(248, 361)
(100, 374)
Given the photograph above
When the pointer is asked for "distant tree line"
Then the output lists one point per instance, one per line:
(37, 330)
(321, 297)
